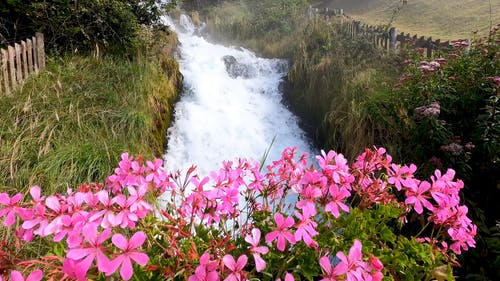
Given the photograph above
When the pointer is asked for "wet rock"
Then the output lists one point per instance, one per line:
(236, 69)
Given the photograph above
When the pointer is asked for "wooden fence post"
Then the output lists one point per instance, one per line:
(393, 36)
(5, 72)
(429, 47)
(40, 50)
(35, 55)
(12, 66)
(29, 44)
(19, 70)
(24, 58)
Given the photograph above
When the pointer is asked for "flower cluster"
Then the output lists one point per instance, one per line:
(86, 219)
(428, 67)
(424, 111)
(291, 206)
(352, 267)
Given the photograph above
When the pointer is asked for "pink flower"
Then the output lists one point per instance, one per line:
(129, 253)
(206, 270)
(282, 232)
(306, 229)
(339, 194)
(288, 277)
(329, 275)
(351, 265)
(399, 175)
(463, 238)
(416, 195)
(256, 250)
(35, 275)
(236, 267)
(11, 208)
(84, 256)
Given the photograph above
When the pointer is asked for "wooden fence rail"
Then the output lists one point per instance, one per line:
(388, 40)
(19, 61)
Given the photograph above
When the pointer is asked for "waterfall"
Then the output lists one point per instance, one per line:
(231, 106)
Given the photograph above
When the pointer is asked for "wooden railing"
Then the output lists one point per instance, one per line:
(388, 40)
(19, 61)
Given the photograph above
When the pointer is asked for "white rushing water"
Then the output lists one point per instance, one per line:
(220, 117)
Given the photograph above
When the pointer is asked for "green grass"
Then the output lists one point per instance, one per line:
(446, 20)
(69, 124)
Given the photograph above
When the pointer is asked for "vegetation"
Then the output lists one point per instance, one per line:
(79, 26)
(69, 124)
(109, 86)
(332, 80)
(267, 26)
(336, 221)
(350, 96)
(449, 112)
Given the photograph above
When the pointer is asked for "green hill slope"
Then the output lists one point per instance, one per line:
(439, 19)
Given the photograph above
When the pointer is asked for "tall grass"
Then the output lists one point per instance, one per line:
(69, 124)
(269, 27)
(338, 86)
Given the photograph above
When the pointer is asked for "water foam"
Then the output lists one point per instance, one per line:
(221, 118)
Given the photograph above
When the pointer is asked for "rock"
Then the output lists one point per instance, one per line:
(236, 69)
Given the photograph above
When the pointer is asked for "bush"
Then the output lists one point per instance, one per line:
(294, 221)
(447, 109)
(71, 26)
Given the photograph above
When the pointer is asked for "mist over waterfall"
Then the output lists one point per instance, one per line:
(231, 106)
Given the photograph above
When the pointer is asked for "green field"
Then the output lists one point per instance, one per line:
(439, 19)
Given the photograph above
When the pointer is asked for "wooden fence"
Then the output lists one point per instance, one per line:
(19, 61)
(388, 40)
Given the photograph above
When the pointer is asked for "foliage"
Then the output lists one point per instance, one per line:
(71, 26)
(332, 83)
(67, 124)
(293, 221)
(449, 109)
(268, 26)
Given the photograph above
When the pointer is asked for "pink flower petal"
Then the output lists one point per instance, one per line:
(4, 199)
(53, 203)
(35, 275)
(120, 241)
(271, 236)
(137, 240)
(10, 219)
(355, 251)
(229, 262)
(77, 254)
(126, 270)
(140, 258)
(16, 276)
(260, 264)
(326, 264)
(240, 264)
(35, 192)
(16, 198)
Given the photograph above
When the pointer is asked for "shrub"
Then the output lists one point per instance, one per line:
(448, 112)
(71, 26)
(293, 221)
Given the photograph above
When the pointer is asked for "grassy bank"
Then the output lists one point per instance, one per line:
(268, 27)
(69, 124)
(337, 84)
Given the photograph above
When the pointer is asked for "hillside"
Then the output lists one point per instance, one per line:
(439, 19)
